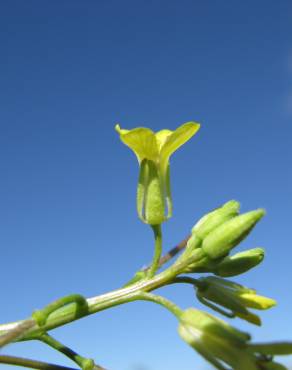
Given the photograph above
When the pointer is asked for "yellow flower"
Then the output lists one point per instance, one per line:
(233, 296)
(153, 151)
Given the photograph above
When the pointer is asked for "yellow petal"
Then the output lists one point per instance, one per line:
(142, 141)
(120, 130)
(161, 137)
(175, 140)
(257, 301)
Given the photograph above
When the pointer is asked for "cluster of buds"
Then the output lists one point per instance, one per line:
(216, 293)
(221, 344)
(216, 234)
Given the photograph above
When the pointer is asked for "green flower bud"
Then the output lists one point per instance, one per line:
(215, 340)
(229, 234)
(209, 325)
(239, 263)
(203, 227)
(212, 220)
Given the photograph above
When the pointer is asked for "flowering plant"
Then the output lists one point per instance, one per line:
(205, 251)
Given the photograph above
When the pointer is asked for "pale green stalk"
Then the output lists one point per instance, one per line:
(67, 313)
(157, 251)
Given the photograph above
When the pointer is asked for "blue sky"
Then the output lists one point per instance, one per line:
(70, 70)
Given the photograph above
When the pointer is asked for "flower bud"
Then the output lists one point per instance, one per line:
(239, 263)
(232, 296)
(203, 227)
(229, 234)
(210, 325)
(218, 294)
(215, 340)
(212, 220)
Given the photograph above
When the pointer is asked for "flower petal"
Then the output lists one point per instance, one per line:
(141, 140)
(175, 140)
(161, 137)
(257, 301)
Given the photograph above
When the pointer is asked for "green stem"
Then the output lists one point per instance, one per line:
(17, 332)
(188, 280)
(32, 364)
(157, 251)
(169, 305)
(81, 307)
(67, 313)
(84, 363)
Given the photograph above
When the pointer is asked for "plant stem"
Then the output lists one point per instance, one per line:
(157, 251)
(188, 280)
(32, 364)
(60, 347)
(131, 293)
(81, 307)
(170, 306)
(171, 253)
(17, 332)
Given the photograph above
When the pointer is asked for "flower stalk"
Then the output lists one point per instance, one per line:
(157, 251)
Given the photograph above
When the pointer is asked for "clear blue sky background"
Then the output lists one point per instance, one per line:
(70, 70)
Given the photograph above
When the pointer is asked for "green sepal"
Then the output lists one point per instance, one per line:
(141, 189)
(167, 189)
(150, 197)
(154, 201)
(214, 307)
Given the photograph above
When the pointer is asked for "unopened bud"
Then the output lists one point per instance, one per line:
(229, 234)
(203, 227)
(213, 219)
(216, 340)
(239, 263)
(207, 325)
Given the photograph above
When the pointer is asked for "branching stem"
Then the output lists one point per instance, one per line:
(170, 306)
(67, 314)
